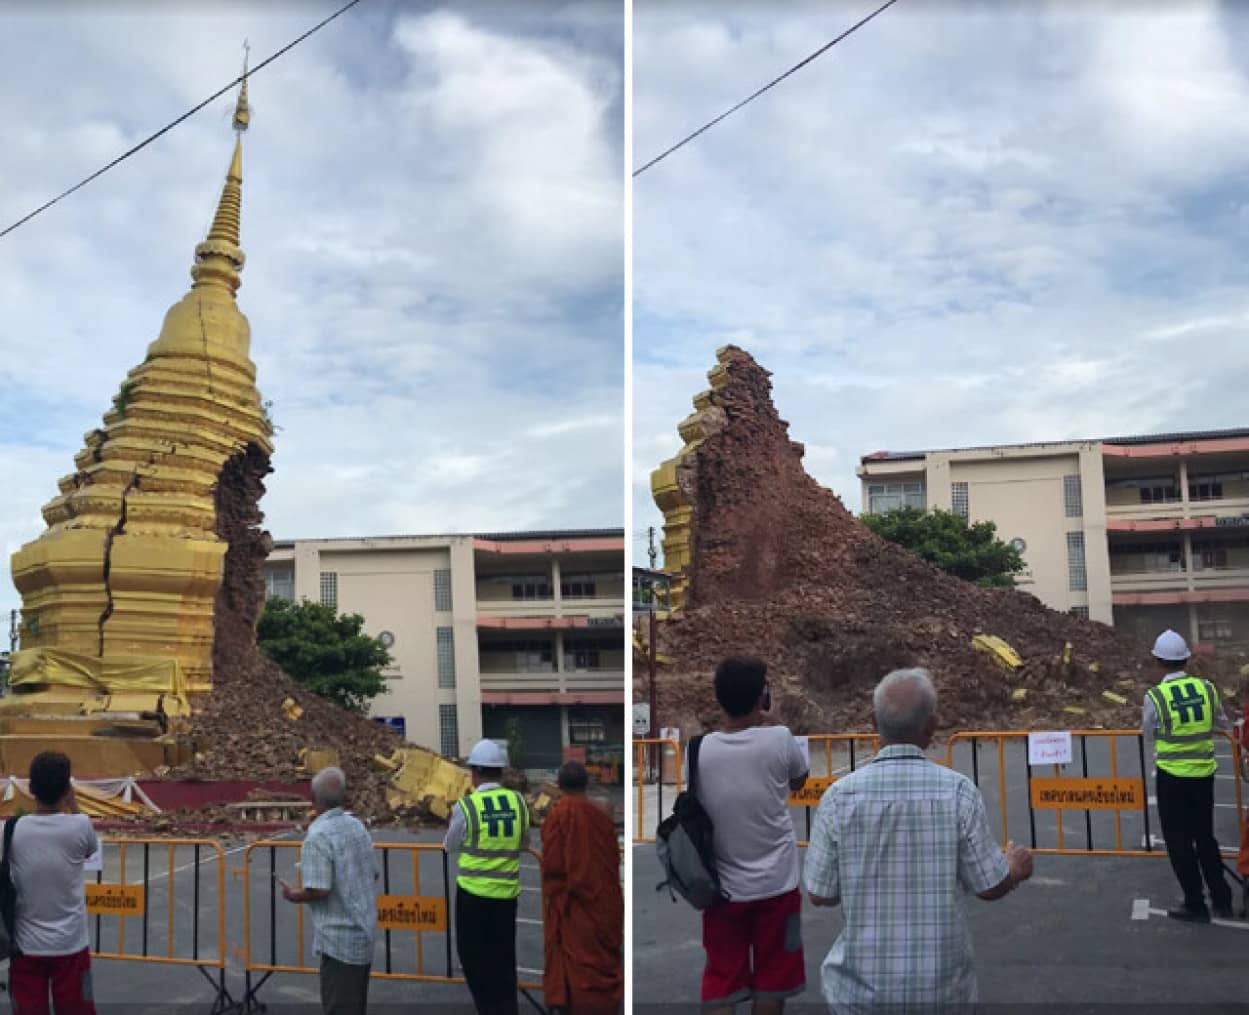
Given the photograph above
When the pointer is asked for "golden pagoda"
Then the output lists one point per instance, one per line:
(118, 592)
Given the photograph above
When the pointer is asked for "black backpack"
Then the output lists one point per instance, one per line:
(8, 898)
(684, 844)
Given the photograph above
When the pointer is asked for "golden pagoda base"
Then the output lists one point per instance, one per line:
(105, 736)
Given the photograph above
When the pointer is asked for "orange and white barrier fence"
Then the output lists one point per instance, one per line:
(141, 891)
(414, 916)
(1081, 792)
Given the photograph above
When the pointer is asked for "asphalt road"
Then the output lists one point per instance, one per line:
(1066, 939)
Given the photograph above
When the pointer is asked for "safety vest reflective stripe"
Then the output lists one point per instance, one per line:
(1183, 738)
(1160, 709)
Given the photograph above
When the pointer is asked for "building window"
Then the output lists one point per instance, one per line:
(529, 656)
(587, 653)
(1076, 574)
(329, 590)
(1159, 495)
(587, 731)
(1205, 490)
(1146, 558)
(446, 657)
(577, 586)
(448, 731)
(279, 585)
(1214, 556)
(1214, 630)
(442, 590)
(882, 497)
(958, 499)
(525, 586)
(1080, 611)
(1073, 497)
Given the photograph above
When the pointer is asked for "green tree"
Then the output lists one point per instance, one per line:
(325, 652)
(946, 540)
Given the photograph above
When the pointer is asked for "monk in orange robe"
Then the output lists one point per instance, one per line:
(582, 903)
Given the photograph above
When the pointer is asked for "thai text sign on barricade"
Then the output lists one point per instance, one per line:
(411, 912)
(812, 790)
(115, 900)
(1110, 794)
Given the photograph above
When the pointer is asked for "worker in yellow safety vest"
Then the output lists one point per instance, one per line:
(487, 830)
(1180, 716)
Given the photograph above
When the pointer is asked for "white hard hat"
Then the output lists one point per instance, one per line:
(487, 754)
(1171, 648)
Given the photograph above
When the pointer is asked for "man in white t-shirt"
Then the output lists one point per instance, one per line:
(49, 849)
(745, 775)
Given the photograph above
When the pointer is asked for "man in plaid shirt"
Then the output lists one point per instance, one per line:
(340, 888)
(897, 844)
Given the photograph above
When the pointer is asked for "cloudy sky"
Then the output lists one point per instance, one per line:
(966, 224)
(433, 222)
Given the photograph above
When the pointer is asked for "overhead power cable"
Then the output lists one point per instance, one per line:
(189, 113)
(771, 84)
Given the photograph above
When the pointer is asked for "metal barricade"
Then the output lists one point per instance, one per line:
(644, 749)
(402, 907)
(1118, 796)
(832, 755)
(140, 879)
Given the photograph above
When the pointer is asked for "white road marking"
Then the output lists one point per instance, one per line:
(531, 972)
(525, 919)
(1034, 880)
(1140, 909)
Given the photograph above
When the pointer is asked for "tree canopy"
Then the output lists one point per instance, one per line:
(327, 653)
(970, 551)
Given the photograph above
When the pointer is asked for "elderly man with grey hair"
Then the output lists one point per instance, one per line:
(340, 888)
(898, 844)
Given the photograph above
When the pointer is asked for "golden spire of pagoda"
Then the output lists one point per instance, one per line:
(219, 259)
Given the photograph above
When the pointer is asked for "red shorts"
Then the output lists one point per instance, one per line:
(66, 977)
(754, 949)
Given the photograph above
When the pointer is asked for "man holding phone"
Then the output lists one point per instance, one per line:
(745, 775)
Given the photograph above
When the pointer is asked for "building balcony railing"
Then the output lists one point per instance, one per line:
(516, 607)
(576, 680)
(548, 607)
(1219, 507)
(1206, 578)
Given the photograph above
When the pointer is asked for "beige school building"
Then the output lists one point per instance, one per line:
(488, 633)
(1143, 532)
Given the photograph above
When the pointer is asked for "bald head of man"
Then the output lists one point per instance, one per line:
(905, 703)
